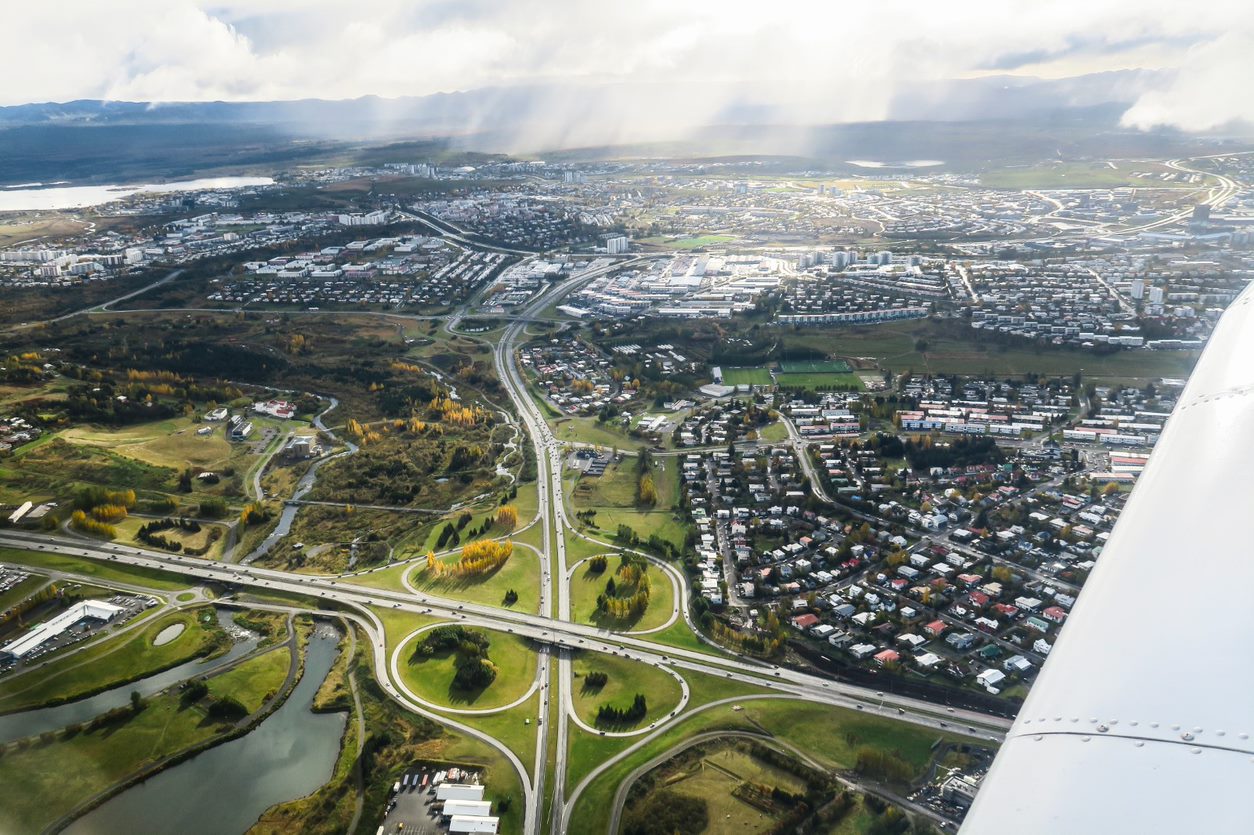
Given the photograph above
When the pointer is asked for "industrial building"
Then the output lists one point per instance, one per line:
(50, 629)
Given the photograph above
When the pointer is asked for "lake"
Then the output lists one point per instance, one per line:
(77, 197)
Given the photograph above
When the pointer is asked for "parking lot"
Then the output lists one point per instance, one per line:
(414, 808)
(131, 606)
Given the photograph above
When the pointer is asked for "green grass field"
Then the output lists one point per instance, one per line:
(255, 680)
(114, 661)
(588, 431)
(521, 573)
(818, 380)
(626, 679)
(828, 734)
(104, 572)
(21, 591)
(721, 771)
(1077, 175)
(586, 585)
(813, 367)
(951, 349)
(746, 377)
(694, 242)
(613, 496)
(432, 678)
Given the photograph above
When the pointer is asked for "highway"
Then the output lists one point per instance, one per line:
(551, 628)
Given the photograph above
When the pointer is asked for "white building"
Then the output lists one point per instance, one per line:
(50, 629)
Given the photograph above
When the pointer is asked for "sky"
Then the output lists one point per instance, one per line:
(839, 61)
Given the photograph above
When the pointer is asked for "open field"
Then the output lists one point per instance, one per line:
(148, 578)
(168, 443)
(818, 380)
(953, 349)
(828, 734)
(432, 678)
(694, 242)
(521, 572)
(255, 680)
(585, 585)
(129, 527)
(746, 377)
(1057, 174)
(813, 367)
(588, 431)
(114, 661)
(21, 591)
(625, 679)
(714, 777)
(613, 496)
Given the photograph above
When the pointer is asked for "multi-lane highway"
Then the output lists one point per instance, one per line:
(550, 628)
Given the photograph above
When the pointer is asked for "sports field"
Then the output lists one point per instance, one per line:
(818, 380)
(746, 377)
(813, 367)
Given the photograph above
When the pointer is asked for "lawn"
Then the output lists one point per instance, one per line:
(105, 572)
(432, 678)
(818, 380)
(21, 591)
(689, 243)
(1077, 175)
(679, 635)
(830, 735)
(255, 680)
(521, 572)
(129, 527)
(589, 431)
(746, 377)
(952, 348)
(586, 585)
(167, 443)
(613, 496)
(713, 779)
(514, 728)
(115, 661)
(625, 679)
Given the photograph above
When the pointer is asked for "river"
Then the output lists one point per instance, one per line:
(30, 722)
(77, 197)
(225, 789)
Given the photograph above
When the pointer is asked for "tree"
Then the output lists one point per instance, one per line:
(646, 491)
(507, 517)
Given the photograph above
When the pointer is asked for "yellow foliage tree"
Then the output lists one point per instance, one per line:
(507, 517)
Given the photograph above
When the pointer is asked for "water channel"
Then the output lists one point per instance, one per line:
(225, 789)
(31, 722)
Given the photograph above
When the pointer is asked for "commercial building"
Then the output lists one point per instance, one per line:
(50, 629)
(459, 791)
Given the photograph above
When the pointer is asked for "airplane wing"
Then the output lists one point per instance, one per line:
(1140, 720)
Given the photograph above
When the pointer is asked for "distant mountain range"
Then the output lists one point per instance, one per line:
(967, 124)
(526, 108)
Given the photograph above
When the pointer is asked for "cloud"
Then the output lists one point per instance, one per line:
(838, 61)
(1210, 90)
